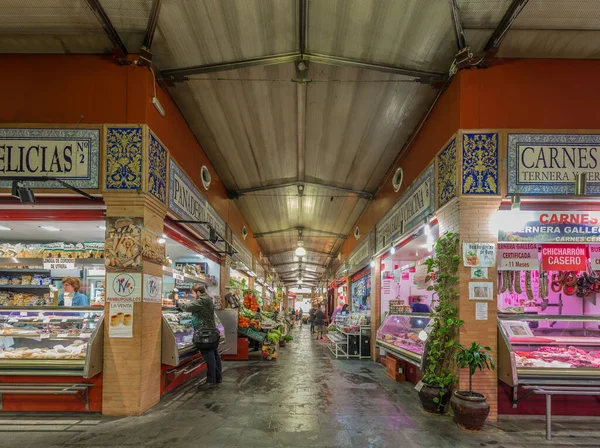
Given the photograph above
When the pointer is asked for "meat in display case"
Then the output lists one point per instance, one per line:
(177, 335)
(399, 334)
(548, 349)
(51, 341)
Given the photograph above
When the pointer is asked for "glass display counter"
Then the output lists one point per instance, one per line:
(548, 349)
(51, 341)
(177, 336)
(399, 334)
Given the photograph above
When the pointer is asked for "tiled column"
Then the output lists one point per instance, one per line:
(131, 378)
(471, 218)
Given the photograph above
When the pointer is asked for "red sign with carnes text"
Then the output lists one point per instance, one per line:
(564, 257)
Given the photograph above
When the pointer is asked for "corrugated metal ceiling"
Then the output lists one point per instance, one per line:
(350, 121)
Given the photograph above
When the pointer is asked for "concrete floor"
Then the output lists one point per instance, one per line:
(304, 399)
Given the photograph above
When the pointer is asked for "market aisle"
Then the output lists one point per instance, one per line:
(304, 399)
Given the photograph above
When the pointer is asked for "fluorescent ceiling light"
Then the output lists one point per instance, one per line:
(5, 228)
(161, 241)
(50, 228)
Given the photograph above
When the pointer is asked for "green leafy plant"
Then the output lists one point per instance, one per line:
(443, 339)
(288, 337)
(473, 358)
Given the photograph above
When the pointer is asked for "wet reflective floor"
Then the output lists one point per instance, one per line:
(304, 399)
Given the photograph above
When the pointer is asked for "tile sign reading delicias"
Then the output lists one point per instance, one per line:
(68, 154)
(413, 207)
(564, 257)
(551, 227)
(518, 257)
(548, 163)
(187, 201)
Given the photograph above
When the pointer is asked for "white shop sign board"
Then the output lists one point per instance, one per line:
(518, 257)
(59, 264)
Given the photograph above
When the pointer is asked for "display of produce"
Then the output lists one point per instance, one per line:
(46, 334)
(52, 250)
(250, 302)
(400, 334)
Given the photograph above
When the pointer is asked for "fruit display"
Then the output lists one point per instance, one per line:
(243, 322)
(250, 302)
(270, 351)
(558, 357)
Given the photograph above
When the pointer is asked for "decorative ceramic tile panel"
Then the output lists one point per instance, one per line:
(480, 163)
(67, 154)
(447, 173)
(157, 169)
(547, 164)
(124, 158)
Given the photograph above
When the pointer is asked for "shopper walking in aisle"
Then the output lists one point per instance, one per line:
(320, 322)
(301, 316)
(311, 319)
(203, 318)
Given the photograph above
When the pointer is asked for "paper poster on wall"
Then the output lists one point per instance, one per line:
(481, 290)
(481, 255)
(123, 287)
(152, 289)
(518, 257)
(479, 273)
(481, 311)
(120, 320)
(595, 256)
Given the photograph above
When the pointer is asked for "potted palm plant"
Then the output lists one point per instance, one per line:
(439, 368)
(471, 408)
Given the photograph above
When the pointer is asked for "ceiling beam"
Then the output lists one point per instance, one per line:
(301, 271)
(425, 77)
(152, 23)
(181, 74)
(300, 228)
(318, 252)
(307, 263)
(513, 11)
(459, 35)
(235, 194)
(108, 27)
(303, 28)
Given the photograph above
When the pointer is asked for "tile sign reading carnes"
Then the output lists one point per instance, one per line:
(547, 163)
(413, 207)
(68, 154)
(187, 202)
(564, 257)
(551, 227)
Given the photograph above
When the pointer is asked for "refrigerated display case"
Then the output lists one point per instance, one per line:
(399, 334)
(51, 341)
(548, 349)
(177, 335)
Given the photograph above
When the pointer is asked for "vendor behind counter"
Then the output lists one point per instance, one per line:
(71, 286)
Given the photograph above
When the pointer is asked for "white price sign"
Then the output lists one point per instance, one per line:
(59, 263)
(595, 256)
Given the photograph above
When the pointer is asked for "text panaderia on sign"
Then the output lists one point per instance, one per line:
(414, 206)
(68, 154)
(187, 201)
(548, 163)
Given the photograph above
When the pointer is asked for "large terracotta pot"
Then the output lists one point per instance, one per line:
(427, 395)
(470, 409)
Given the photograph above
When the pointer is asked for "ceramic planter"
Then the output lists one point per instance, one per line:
(427, 395)
(470, 409)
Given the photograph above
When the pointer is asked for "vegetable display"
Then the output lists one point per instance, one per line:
(250, 302)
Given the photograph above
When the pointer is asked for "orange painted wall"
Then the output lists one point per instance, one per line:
(61, 88)
(512, 93)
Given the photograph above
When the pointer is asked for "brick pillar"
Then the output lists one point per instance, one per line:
(471, 218)
(375, 303)
(131, 378)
